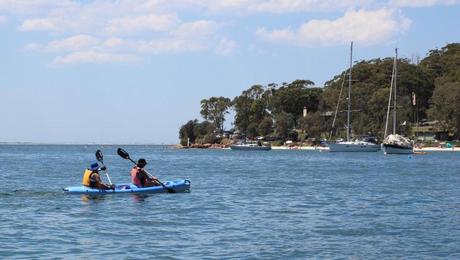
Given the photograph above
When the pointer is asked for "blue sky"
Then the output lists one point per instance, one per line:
(135, 71)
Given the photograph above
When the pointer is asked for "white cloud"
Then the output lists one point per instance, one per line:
(30, 7)
(73, 43)
(225, 47)
(113, 42)
(421, 3)
(277, 35)
(42, 24)
(195, 29)
(141, 23)
(126, 27)
(287, 6)
(94, 57)
(171, 45)
(364, 27)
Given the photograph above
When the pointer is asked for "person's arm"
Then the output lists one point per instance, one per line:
(99, 184)
(149, 177)
(97, 177)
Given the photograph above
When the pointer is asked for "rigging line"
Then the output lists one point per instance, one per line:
(338, 103)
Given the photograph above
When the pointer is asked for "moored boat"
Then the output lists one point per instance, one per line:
(250, 146)
(395, 143)
(350, 145)
(353, 146)
(176, 185)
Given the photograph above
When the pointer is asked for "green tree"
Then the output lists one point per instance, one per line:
(266, 126)
(251, 108)
(315, 125)
(293, 97)
(369, 96)
(283, 124)
(214, 110)
(187, 132)
(446, 105)
(443, 64)
(202, 129)
(252, 130)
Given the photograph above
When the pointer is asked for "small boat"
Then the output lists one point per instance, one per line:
(176, 185)
(395, 143)
(250, 146)
(354, 146)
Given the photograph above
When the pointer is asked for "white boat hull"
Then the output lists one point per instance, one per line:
(393, 149)
(353, 147)
(250, 148)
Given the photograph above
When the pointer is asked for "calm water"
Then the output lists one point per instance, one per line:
(277, 204)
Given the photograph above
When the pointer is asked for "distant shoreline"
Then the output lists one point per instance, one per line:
(306, 148)
(424, 149)
(320, 148)
(89, 144)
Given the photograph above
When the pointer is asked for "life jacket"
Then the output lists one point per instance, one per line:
(87, 178)
(134, 178)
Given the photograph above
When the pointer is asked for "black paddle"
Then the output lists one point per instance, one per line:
(100, 158)
(123, 154)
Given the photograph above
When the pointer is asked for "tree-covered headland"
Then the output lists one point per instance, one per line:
(427, 91)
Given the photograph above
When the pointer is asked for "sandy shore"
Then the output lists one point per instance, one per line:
(313, 148)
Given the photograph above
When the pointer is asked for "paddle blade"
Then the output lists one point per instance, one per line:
(122, 153)
(99, 156)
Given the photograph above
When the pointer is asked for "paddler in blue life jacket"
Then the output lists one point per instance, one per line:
(92, 179)
(139, 176)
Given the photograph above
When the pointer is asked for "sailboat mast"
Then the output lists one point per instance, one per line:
(394, 100)
(349, 93)
(389, 97)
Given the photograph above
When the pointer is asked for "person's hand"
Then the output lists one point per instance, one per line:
(103, 168)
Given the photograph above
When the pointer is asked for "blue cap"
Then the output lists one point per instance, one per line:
(94, 166)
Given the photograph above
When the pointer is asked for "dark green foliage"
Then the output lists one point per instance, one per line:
(266, 126)
(315, 125)
(283, 123)
(370, 90)
(446, 105)
(443, 68)
(251, 108)
(252, 130)
(187, 132)
(293, 136)
(214, 110)
(196, 131)
(443, 64)
(292, 99)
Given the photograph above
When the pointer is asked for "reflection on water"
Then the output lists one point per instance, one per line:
(92, 198)
(139, 197)
(87, 198)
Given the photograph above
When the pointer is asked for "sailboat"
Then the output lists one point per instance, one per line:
(395, 143)
(351, 145)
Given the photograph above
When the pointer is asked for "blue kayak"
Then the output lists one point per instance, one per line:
(177, 186)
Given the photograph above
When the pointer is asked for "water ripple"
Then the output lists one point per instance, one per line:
(270, 205)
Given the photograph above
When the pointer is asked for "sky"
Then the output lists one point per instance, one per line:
(134, 71)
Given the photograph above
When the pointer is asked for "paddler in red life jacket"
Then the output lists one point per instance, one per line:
(140, 178)
(92, 179)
